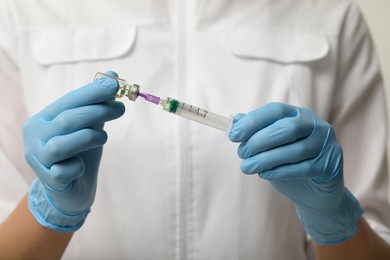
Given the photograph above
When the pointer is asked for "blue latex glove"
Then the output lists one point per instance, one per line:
(299, 154)
(63, 145)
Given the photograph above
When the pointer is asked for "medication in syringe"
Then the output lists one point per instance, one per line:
(191, 112)
(132, 91)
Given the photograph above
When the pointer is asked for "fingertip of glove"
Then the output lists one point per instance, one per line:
(106, 80)
(111, 73)
(234, 134)
(101, 138)
(110, 84)
(247, 168)
(242, 152)
(120, 109)
(263, 175)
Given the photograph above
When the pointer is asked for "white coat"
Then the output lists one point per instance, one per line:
(170, 188)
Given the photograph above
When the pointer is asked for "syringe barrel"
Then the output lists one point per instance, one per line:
(197, 114)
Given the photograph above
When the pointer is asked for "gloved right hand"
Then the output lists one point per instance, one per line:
(63, 145)
(298, 152)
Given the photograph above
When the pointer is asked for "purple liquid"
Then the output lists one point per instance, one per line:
(150, 98)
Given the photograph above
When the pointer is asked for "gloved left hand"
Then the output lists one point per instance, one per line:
(63, 145)
(299, 154)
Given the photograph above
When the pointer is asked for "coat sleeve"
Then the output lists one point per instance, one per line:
(14, 171)
(359, 117)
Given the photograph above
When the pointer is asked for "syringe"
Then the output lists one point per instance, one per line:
(191, 112)
(132, 91)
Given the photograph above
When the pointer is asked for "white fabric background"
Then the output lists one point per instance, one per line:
(377, 16)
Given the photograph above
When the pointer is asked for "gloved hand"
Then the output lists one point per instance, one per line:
(299, 154)
(63, 145)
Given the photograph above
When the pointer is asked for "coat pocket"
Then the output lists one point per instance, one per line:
(285, 46)
(277, 64)
(70, 45)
